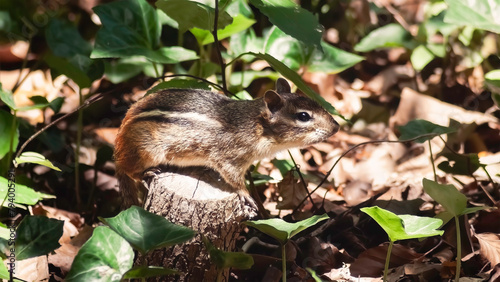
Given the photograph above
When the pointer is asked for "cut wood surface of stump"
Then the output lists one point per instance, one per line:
(196, 198)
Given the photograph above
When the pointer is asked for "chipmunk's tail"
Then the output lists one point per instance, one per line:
(132, 191)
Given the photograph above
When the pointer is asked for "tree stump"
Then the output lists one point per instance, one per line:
(197, 198)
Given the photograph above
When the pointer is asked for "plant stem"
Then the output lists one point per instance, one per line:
(13, 129)
(157, 72)
(283, 262)
(492, 182)
(219, 275)
(459, 249)
(77, 150)
(217, 47)
(432, 161)
(32, 137)
(387, 260)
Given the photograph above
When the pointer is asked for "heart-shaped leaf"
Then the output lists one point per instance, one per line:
(403, 227)
(37, 235)
(146, 231)
(106, 256)
(35, 158)
(420, 127)
(282, 230)
(447, 195)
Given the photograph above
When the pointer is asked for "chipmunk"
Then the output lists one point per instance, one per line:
(192, 127)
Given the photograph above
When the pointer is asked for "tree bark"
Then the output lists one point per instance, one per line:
(196, 198)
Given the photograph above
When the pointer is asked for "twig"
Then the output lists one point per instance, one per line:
(395, 13)
(303, 182)
(359, 145)
(87, 102)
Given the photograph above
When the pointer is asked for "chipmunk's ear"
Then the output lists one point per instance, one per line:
(282, 86)
(274, 101)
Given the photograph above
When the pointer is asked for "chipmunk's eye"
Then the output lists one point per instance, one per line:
(303, 116)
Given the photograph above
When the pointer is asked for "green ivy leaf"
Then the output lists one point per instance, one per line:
(148, 271)
(244, 42)
(37, 236)
(460, 164)
(492, 80)
(6, 132)
(173, 55)
(420, 127)
(282, 230)
(199, 15)
(35, 158)
(64, 39)
(420, 57)
(239, 24)
(60, 65)
(23, 195)
(56, 104)
(4, 272)
(332, 60)
(288, 50)
(224, 259)
(447, 195)
(292, 19)
(129, 28)
(481, 14)
(120, 70)
(403, 227)
(146, 231)
(245, 78)
(70, 54)
(7, 98)
(388, 36)
(104, 257)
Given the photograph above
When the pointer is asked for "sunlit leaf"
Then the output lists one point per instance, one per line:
(420, 57)
(23, 195)
(104, 257)
(35, 158)
(388, 36)
(481, 14)
(8, 134)
(199, 15)
(402, 227)
(282, 230)
(332, 60)
(239, 24)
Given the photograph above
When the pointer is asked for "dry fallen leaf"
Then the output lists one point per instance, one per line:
(414, 105)
(489, 247)
(371, 262)
(380, 83)
(33, 269)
